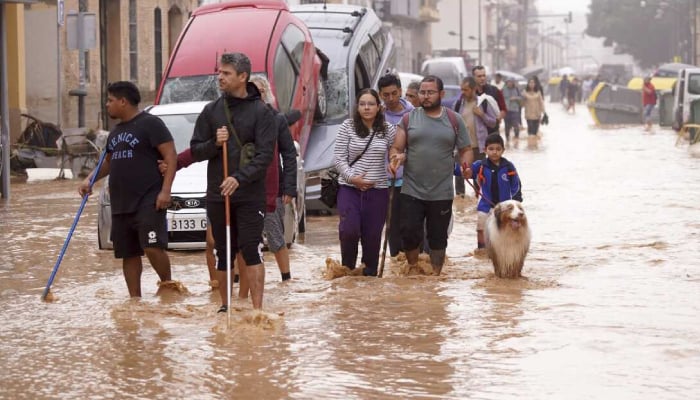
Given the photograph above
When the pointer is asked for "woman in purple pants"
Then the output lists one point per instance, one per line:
(361, 149)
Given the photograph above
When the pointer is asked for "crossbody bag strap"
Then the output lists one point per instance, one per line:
(363, 151)
(230, 124)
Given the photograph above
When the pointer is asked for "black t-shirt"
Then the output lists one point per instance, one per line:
(134, 178)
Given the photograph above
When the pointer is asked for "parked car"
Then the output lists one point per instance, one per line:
(450, 69)
(686, 97)
(670, 70)
(187, 216)
(406, 78)
(278, 44)
(360, 50)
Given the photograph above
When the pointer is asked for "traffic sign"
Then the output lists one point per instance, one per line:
(61, 12)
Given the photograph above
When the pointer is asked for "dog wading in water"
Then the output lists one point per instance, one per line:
(507, 238)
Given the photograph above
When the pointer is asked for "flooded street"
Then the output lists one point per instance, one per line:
(610, 308)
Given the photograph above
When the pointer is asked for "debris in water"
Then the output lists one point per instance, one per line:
(401, 267)
(261, 319)
(335, 270)
(175, 286)
(49, 297)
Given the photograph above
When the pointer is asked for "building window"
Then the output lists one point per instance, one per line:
(158, 36)
(133, 47)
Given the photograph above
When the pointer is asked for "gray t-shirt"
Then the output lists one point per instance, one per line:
(429, 166)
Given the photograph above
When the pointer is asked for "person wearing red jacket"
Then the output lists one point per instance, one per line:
(648, 101)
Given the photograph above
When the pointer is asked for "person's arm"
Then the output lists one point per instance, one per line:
(515, 191)
(167, 151)
(265, 141)
(501, 104)
(397, 152)
(85, 187)
(464, 146)
(185, 159)
(489, 117)
(340, 151)
(541, 101)
(203, 144)
(289, 159)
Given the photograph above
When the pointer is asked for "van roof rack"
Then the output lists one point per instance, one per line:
(349, 30)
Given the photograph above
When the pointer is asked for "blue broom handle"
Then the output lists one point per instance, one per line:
(72, 228)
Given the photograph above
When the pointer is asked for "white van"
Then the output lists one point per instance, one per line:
(686, 90)
(450, 69)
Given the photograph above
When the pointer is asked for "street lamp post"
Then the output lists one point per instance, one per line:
(481, 60)
(460, 29)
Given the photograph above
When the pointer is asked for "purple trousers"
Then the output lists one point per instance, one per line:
(362, 216)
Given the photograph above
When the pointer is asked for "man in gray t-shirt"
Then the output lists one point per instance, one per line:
(426, 147)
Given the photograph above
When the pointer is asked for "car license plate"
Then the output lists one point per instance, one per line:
(187, 224)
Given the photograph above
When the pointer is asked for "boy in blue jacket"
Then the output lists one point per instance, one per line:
(498, 181)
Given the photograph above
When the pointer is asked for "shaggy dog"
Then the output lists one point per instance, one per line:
(507, 237)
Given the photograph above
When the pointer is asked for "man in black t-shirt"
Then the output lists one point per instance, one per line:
(139, 194)
(234, 120)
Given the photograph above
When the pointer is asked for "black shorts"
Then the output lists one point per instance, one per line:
(133, 232)
(247, 223)
(436, 214)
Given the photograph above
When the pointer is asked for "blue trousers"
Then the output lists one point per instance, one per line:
(362, 216)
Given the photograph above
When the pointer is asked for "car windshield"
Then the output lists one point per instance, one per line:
(337, 85)
(181, 127)
(192, 88)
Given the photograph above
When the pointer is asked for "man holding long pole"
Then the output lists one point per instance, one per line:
(244, 124)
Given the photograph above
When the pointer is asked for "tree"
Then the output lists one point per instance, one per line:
(652, 34)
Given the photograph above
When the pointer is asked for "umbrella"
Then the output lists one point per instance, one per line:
(531, 71)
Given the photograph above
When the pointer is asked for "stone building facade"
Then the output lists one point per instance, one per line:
(133, 41)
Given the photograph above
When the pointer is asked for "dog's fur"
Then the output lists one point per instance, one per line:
(507, 236)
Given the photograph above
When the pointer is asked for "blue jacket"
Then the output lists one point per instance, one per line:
(500, 182)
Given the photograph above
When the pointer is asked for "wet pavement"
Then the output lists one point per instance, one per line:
(610, 307)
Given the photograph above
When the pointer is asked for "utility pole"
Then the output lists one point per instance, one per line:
(461, 53)
(522, 35)
(60, 20)
(481, 60)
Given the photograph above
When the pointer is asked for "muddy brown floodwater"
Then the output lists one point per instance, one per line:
(610, 308)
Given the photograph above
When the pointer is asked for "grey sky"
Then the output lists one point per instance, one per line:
(563, 6)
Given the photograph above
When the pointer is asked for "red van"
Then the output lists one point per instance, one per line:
(279, 46)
